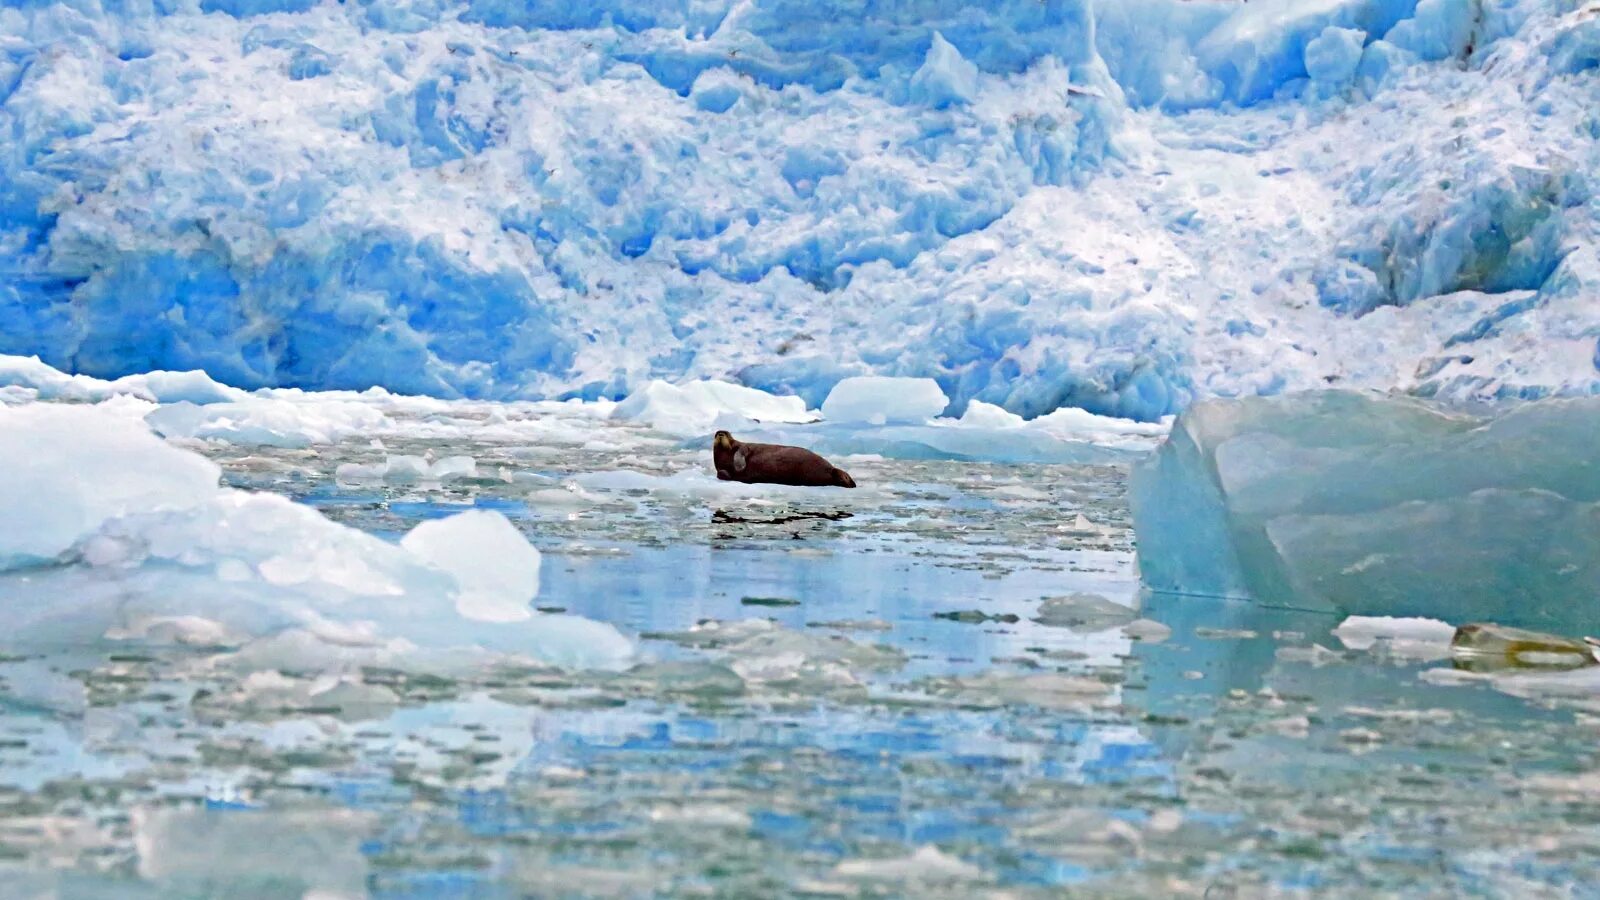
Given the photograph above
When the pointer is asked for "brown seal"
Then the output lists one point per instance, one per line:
(774, 464)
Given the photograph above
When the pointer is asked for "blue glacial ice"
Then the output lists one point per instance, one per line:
(1378, 506)
(1119, 207)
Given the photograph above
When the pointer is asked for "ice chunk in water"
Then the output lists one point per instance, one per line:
(160, 387)
(927, 864)
(306, 852)
(494, 565)
(1498, 646)
(267, 421)
(699, 406)
(403, 469)
(66, 470)
(131, 538)
(876, 400)
(1367, 505)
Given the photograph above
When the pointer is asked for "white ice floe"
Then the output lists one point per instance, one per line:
(877, 400)
(495, 568)
(1412, 638)
(270, 422)
(403, 469)
(122, 536)
(48, 383)
(699, 407)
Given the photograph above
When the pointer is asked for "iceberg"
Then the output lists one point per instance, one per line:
(699, 407)
(1371, 505)
(876, 400)
(117, 535)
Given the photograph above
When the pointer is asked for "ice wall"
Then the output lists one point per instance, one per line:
(1371, 505)
(1120, 207)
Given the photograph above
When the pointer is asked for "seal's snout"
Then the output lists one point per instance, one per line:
(722, 441)
(843, 479)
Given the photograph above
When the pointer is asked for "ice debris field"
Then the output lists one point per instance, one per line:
(1123, 207)
(1220, 380)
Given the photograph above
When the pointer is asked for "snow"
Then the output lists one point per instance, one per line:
(1120, 207)
(1377, 506)
(876, 400)
(116, 534)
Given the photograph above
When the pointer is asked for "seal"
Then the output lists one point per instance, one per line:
(774, 464)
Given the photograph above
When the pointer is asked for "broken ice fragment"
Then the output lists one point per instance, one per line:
(1081, 610)
(1379, 506)
(1490, 646)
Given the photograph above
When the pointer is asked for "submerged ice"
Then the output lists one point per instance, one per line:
(1379, 506)
(1122, 207)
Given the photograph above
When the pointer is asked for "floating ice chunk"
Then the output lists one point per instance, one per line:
(403, 469)
(160, 387)
(1071, 422)
(47, 382)
(1363, 632)
(497, 570)
(950, 439)
(1490, 646)
(986, 415)
(174, 387)
(187, 631)
(699, 406)
(1148, 630)
(268, 422)
(945, 78)
(1084, 611)
(131, 538)
(307, 852)
(927, 864)
(1046, 690)
(65, 471)
(1366, 505)
(764, 653)
(876, 400)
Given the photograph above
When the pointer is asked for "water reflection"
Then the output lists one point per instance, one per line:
(1249, 751)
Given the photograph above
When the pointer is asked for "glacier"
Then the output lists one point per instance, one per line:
(1119, 207)
(1373, 505)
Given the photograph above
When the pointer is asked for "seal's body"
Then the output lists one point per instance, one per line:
(774, 464)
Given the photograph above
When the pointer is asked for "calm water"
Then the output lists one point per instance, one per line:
(825, 705)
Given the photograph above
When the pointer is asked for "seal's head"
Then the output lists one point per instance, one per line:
(722, 441)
